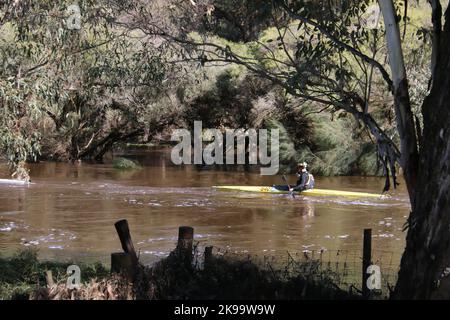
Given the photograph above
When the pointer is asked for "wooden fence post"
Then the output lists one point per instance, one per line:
(367, 257)
(185, 243)
(125, 263)
(122, 263)
(125, 239)
(49, 278)
(208, 256)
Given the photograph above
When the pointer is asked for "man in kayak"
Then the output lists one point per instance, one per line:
(305, 179)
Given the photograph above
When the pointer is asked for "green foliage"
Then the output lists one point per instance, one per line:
(287, 153)
(125, 164)
(23, 273)
(22, 277)
(368, 163)
(336, 151)
(234, 278)
(240, 20)
(70, 94)
(321, 54)
(22, 267)
(325, 144)
(229, 102)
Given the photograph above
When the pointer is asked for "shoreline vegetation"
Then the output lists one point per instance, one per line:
(121, 163)
(82, 113)
(186, 274)
(23, 277)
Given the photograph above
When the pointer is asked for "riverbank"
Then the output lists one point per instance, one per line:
(24, 277)
(188, 273)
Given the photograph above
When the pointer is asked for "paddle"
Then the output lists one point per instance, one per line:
(291, 193)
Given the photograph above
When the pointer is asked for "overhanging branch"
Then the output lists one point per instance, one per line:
(342, 45)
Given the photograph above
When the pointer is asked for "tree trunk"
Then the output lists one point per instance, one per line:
(423, 270)
(402, 104)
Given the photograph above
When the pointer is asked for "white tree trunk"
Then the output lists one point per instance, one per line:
(404, 117)
(393, 40)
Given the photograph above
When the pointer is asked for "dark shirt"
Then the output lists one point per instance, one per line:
(302, 180)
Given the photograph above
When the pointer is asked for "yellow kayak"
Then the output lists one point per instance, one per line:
(310, 192)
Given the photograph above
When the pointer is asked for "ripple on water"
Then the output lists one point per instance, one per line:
(11, 225)
(174, 239)
(6, 227)
(159, 239)
(154, 204)
(56, 247)
(194, 203)
(57, 239)
(161, 254)
(112, 188)
(384, 202)
(9, 213)
(385, 235)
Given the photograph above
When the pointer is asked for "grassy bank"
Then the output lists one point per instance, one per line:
(23, 274)
(23, 277)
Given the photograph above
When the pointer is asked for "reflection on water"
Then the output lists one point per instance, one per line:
(70, 210)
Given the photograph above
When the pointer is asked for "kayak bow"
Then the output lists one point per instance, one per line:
(14, 182)
(309, 192)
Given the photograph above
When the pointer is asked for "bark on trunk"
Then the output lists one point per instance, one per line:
(427, 252)
(424, 272)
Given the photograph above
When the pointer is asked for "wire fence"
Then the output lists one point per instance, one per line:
(344, 267)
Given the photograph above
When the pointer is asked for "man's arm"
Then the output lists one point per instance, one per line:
(301, 185)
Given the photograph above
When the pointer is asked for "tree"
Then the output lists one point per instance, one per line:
(321, 56)
(71, 93)
(239, 20)
(424, 266)
(330, 64)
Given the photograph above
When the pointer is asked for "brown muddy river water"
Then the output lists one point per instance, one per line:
(70, 210)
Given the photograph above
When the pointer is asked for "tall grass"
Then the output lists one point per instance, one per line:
(23, 273)
(224, 277)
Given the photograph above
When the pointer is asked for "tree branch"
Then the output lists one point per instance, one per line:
(341, 44)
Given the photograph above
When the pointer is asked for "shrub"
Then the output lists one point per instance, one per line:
(125, 164)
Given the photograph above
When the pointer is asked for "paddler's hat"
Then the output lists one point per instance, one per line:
(302, 164)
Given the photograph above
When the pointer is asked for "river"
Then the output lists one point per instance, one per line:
(68, 213)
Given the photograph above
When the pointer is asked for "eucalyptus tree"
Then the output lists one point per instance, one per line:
(323, 54)
(320, 54)
(72, 83)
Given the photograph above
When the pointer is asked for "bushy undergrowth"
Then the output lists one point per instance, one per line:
(23, 273)
(22, 277)
(327, 146)
(233, 278)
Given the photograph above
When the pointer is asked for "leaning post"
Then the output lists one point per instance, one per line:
(125, 263)
(125, 239)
